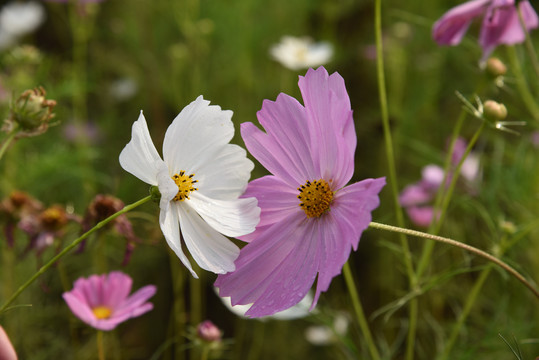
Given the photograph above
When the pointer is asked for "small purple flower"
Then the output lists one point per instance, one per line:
(310, 219)
(103, 301)
(501, 24)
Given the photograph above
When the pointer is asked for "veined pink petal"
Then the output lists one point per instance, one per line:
(354, 204)
(334, 234)
(452, 26)
(259, 266)
(270, 154)
(276, 199)
(139, 157)
(329, 117)
(285, 122)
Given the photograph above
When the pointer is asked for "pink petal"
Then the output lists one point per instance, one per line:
(79, 307)
(330, 124)
(276, 270)
(117, 288)
(135, 301)
(270, 154)
(276, 199)
(285, 122)
(420, 215)
(414, 194)
(354, 204)
(451, 27)
(501, 25)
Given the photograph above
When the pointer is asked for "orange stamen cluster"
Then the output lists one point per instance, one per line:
(185, 185)
(315, 197)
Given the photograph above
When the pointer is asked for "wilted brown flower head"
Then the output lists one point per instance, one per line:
(13, 209)
(30, 114)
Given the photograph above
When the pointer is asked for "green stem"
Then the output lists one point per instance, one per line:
(100, 347)
(7, 142)
(392, 175)
(356, 302)
(69, 248)
(522, 86)
(427, 250)
(463, 246)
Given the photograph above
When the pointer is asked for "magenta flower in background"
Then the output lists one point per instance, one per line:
(500, 24)
(103, 301)
(417, 198)
(310, 219)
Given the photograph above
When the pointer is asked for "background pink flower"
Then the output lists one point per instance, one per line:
(103, 301)
(501, 24)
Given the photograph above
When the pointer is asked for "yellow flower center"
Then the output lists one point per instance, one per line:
(315, 197)
(102, 312)
(185, 185)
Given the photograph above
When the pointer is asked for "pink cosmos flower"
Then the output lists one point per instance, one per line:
(310, 219)
(500, 25)
(103, 301)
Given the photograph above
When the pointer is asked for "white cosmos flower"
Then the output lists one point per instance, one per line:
(301, 53)
(200, 179)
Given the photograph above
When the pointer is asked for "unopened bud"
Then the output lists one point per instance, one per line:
(208, 332)
(496, 67)
(494, 110)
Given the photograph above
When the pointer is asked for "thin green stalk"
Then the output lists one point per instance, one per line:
(70, 247)
(470, 301)
(356, 302)
(392, 175)
(7, 142)
(100, 347)
(522, 86)
(428, 248)
(463, 246)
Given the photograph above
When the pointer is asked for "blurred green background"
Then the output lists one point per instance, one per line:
(163, 54)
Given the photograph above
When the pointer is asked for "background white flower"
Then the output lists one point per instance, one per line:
(18, 19)
(301, 53)
(200, 179)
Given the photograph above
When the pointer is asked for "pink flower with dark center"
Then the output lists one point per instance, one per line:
(103, 301)
(501, 24)
(310, 219)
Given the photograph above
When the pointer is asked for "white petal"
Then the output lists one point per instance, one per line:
(168, 220)
(226, 175)
(229, 217)
(139, 157)
(167, 187)
(211, 250)
(196, 136)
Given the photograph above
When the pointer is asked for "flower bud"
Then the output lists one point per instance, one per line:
(494, 110)
(208, 332)
(31, 112)
(496, 67)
